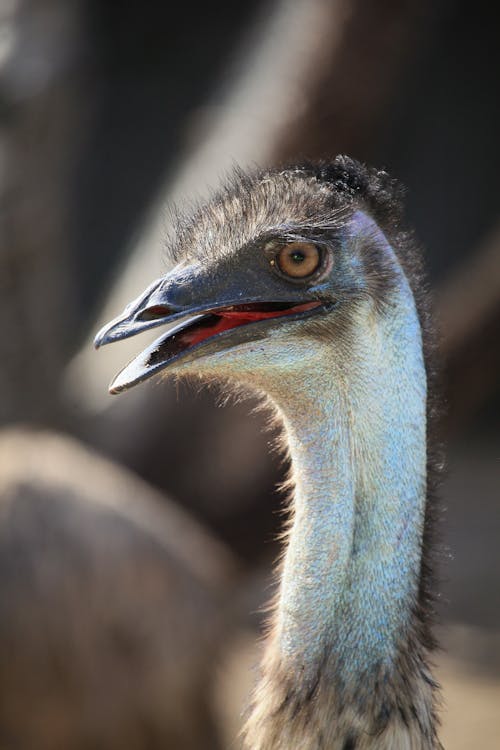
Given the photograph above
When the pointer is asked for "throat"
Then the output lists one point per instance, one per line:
(351, 571)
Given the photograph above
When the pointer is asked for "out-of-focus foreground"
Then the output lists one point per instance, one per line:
(137, 534)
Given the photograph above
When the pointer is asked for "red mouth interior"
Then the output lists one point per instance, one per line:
(232, 317)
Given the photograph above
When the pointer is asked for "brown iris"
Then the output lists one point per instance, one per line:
(298, 259)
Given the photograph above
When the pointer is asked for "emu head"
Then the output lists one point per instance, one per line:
(274, 269)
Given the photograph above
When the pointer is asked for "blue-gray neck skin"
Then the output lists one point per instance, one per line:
(356, 430)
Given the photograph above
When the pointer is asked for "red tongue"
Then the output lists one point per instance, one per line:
(260, 315)
(233, 318)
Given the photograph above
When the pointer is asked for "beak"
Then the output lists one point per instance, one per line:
(205, 315)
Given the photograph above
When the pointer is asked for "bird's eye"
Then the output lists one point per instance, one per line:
(298, 259)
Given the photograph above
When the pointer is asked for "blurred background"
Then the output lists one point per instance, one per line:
(137, 533)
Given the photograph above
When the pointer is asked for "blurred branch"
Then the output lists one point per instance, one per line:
(38, 128)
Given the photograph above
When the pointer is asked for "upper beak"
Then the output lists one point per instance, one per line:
(129, 322)
(165, 300)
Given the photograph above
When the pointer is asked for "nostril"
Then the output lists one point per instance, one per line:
(154, 312)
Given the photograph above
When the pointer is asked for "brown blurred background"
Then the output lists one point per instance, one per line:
(137, 533)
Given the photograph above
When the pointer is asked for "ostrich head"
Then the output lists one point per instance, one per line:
(270, 276)
(301, 283)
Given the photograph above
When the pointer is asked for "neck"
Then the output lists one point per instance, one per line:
(351, 572)
(344, 625)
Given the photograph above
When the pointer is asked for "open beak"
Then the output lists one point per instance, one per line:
(195, 327)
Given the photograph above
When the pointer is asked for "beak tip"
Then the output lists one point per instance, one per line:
(101, 337)
(118, 385)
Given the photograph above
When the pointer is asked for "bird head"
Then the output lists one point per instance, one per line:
(270, 269)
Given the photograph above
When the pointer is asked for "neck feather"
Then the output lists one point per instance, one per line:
(344, 630)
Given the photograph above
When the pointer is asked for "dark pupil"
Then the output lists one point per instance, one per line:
(298, 257)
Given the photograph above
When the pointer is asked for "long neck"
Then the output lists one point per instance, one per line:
(358, 449)
(344, 634)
